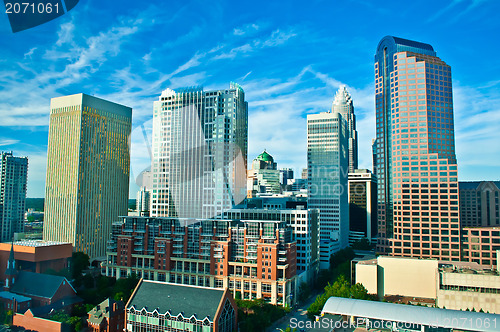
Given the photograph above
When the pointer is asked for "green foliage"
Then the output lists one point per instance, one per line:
(304, 291)
(340, 288)
(341, 256)
(120, 289)
(257, 315)
(237, 295)
(75, 323)
(5, 316)
(79, 262)
(363, 244)
(88, 281)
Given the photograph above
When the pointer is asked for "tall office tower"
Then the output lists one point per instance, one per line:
(416, 162)
(327, 190)
(199, 152)
(88, 166)
(13, 179)
(343, 104)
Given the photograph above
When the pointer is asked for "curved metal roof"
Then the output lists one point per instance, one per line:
(435, 317)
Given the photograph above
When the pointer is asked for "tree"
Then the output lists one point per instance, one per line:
(79, 262)
(304, 291)
(363, 244)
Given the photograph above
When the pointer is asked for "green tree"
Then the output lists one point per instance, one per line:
(304, 291)
(363, 244)
(79, 262)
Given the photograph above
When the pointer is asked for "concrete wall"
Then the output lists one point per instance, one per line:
(408, 276)
(399, 276)
(366, 274)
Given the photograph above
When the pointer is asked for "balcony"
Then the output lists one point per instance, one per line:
(282, 259)
(218, 256)
(217, 249)
(282, 252)
(178, 245)
(254, 249)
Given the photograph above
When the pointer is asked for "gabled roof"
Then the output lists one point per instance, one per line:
(38, 284)
(189, 300)
(104, 310)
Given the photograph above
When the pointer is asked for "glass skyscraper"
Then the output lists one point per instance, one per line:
(13, 181)
(199, 152)
(416, 166)
(88, 167)
(343, 104)
(327, 190)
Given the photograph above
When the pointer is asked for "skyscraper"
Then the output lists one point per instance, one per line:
(416, 163)
(199, 152)
(327, 190)
(264, 177)
(88, 166)
(343, 104)
(13, 180)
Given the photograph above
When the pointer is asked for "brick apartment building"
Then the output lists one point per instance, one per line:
(253, 258)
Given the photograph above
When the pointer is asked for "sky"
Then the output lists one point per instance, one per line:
(290, 57)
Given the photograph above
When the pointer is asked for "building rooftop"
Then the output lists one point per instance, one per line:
(264, 156)
(434, 317)
(17, 297)
(38, 284)
(177, 299)
(105, 310)
(38, 243)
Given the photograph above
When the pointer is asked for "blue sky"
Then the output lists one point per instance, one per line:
(290, 57)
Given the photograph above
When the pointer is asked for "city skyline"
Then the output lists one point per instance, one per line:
(305, 69)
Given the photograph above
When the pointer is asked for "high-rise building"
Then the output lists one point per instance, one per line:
(416, 163)
(327, 190)
(142, 202)
(264, 176)
(13, 180)
(285, 175)
(342, 103)
(362, 205)
(88, 166)
(199, 152)
(479, 203)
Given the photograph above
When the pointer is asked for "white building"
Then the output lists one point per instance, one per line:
(327, 190)
(343, 104)
(199, 152)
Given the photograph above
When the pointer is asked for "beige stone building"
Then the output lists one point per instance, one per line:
(453, 285)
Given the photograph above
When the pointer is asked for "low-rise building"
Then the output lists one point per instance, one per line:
(36, 255)
(107, 316)
(255, 258)
(160, 306)
(453, 285)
